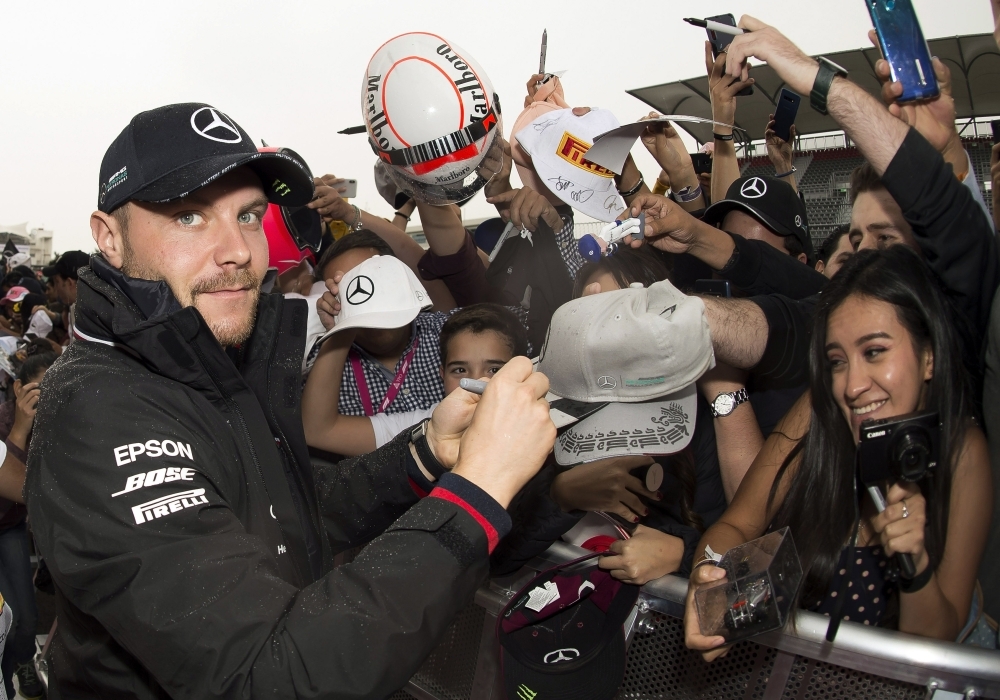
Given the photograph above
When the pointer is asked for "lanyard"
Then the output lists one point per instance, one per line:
(394, 387)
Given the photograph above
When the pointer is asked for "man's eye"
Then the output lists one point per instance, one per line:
(249, 218)
(187, 219)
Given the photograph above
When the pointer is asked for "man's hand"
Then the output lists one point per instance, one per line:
(511, 432)
(525, 208)
(448, 424)
(648, 554)
(934, 119)
(779, 150)
(768, 44)
(710, 647)
(607, 485)
(500, 182)
(671, 229)
(723, 88)
(327, 200)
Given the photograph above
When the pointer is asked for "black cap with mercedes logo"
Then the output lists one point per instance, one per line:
(562, 635)
(772, 202)
(169, 152)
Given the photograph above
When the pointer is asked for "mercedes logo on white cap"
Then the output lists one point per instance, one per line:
(754, 188)
(554, 657)
(360, 290)
(606, 382)
(215, 126)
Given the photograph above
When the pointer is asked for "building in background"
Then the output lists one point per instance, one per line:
(37, 242)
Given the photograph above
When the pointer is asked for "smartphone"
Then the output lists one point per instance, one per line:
(903, 46)
(784, 113)
(995, 125)
(715, 288)
(352, 189)
(720, 41)
(702, 163)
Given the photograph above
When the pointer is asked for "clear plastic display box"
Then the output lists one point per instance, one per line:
(762, 580)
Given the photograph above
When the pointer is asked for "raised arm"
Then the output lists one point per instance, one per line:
(723, 89)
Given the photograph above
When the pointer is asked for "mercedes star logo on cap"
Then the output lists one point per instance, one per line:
(361, 290)
(606, 382)
(753, 188)
(219, 128)
(554, 657)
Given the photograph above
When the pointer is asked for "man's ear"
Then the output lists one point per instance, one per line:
(820, 267)
(802, 258)
(928, 364)
(108, 237)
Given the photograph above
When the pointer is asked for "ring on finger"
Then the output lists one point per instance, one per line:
(906, 511)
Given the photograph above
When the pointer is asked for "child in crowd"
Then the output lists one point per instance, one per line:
(475, 342)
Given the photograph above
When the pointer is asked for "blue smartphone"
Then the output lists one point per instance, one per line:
(904, 47)
(784, 113)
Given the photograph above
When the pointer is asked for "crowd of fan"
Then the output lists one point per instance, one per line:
(891, 315)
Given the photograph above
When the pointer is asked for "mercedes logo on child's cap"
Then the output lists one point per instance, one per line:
(361, 290)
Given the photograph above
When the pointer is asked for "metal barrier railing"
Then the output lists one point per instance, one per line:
(798, 664)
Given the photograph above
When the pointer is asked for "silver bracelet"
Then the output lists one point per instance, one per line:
(357, 225)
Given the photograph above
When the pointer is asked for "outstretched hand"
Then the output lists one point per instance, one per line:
(328, 305)
(934, 118)
(525, 208)
(510, 434)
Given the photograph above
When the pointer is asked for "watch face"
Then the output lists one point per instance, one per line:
(724, 404)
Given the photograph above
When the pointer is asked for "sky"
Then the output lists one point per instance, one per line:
(73, 74)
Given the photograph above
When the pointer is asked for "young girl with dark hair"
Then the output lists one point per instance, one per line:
(882, 346)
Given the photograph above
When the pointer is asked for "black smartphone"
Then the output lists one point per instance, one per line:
(720, 41)
(784, 113)
(702, 163)
(715, 288)
(995, 125)
(904, 47)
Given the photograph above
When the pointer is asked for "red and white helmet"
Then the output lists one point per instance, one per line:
(432, 118)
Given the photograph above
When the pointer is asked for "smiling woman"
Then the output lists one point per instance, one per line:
(882, 346)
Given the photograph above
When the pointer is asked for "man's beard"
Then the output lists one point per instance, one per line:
(227, 331)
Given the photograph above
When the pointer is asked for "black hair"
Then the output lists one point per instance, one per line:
(29, 302)
(627, 265)
(480, 318)
(34, 365)
(793, 246)
(864, 179)
(357, 239)
(831, 242)
(72, 260)
(818, 506)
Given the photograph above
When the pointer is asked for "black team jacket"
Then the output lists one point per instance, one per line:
(190, 540)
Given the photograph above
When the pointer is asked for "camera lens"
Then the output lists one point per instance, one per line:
(910, 454)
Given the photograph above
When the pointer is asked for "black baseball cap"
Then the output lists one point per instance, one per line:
(562, 636)
(67, 264)
(772, 202)
(169, 152)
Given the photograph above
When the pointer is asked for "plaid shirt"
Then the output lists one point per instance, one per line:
(569, 249)
(423, 385)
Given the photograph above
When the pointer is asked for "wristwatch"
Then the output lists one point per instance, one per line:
(725, 404)
(828, 70)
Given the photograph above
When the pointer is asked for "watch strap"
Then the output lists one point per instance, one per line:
(828, 70)
(422, 451)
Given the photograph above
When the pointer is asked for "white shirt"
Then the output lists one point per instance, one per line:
(389, 425)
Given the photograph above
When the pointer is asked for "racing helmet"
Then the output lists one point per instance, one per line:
(432, 118)
(293, 234)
